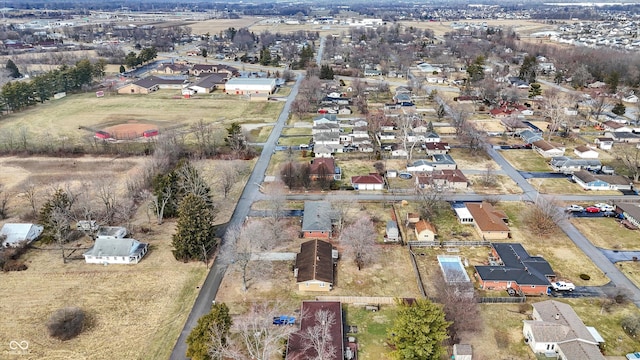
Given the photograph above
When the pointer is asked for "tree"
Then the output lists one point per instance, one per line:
(230, 172)
(631, 325)
(326, 72)
(4, 202)
(204, 52)
(265, 56)
(13, 69)
(534, 90)
(475, 70)
(66, 323)
(441, 113)
(319, 339)
(460, 303)
(630, 157)
(217, 321)
(528, 69)
(544, 217)
(359, 240)
(194, 231)
(236, 139)
(613, 80)
(122, 69)
(619, 108)
(418, 331)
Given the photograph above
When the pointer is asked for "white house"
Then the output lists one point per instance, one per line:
(630, 99)
(115, 251)
(13, 234)
(241, 86)
(604, 143)
(585, 152)
(372, 181)
(420, 166)
(112, 232)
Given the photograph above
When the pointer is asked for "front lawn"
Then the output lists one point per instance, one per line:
(607, 233)
(526, 160)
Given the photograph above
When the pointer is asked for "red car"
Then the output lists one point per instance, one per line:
(592, 209)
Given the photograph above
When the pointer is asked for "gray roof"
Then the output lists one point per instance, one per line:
(151, 81)
(16, 233)
(518, 266)
(443, 159)
(317, 216)
(565, 161)
(631, 210)
(112, 231)
(116, 247)
(529, 136)
(211, 81)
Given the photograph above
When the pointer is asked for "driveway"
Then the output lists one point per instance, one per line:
(586, 291)
(621, 255)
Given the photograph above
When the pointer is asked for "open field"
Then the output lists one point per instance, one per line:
(504, 185)
(526, 160)
(440, 28)
(215, 26)
(61, 119)
(607, 233)
(151, 299)
(564, 186)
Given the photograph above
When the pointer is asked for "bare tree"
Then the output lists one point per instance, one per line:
(159, 202)
(229, 173)
(544, 217)
(554, 105)
(489, 178)
(31, 192)
(460, 303)
(359, 240)
(4, 202)
(106, 192)
(431, 203)
(240, 246)
(207, 139)
(630, 157)
(319, 339)
(255, 336)
(341, 209)
(59, 218)
(597, 106)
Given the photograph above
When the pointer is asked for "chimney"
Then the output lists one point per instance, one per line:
(557, 317)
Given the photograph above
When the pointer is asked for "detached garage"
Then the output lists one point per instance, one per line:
(245, 86)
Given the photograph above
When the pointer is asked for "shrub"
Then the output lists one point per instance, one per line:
(585, 277)
(66, 323)
(631, 325)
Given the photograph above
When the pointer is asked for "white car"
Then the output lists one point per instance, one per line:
(563, 286)
(605, 207)
(575, 208)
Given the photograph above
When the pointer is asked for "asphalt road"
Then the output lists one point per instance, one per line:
(250, 194)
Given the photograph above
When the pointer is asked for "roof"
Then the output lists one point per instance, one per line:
(314, 262)
(297, 348)
(151, 81)
(437, 146)
(326, 136)
(211, 81)
(443, 159)
(317, 216)
(367, 179)
(115, 247)
(486, 217)
(588, 177)
(633, 210)
(17, 232)
(518, 266)
(423, 225)
(565, 161)
(451, 176)
(251, 81)
(317, 163)
(218, 67)
(113, 231)
(543, 145)
(578, 350)
(583, 148)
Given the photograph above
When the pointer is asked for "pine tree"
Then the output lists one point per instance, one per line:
(199, 340)
(418, 331)
(13, 69)
(194, 234)
(122, 69)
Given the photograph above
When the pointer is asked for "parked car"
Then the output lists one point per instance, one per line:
(605, 207)
(592, 209)
(563, 286)
(284, 320)
(405, 175)
(575, 208)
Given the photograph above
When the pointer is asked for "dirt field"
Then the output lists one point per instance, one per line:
(135, 311)
(129, 130)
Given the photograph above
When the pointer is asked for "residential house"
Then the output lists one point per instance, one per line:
(443, 180)
(172, 69)
(392, 231)
(604, 143)
(325, 119)
(386, 136)
(317, 220)
(569, 165)
(490, 222)
(443, 162)
(112, 232)
(15, 234)
(585, 152)
(313, 312)
(630, 99)
(324, 151)
(399, 153)
(530, 136)
(324, 167)
(514, 125)
(112, 250)
(631, 212)
(433, 148)
(614, 126)
(208, 84)
(425, 231)
(623, 137)
(462, 213)
(314, 266)
(420, 166)
(511, 267)
(373, 181)
(199, 69)
(327, 138)
(325, 128)
(555, 330)
(546, 149)
(250, 86)
(590, 181)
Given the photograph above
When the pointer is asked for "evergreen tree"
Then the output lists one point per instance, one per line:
(13, 69)
(619, 109)
(534, 90)
(122, 69)
(418, 331)
(194, 232)
(326, 72)
(199, 340)
(430, 126)
(476, 69)
(59, 203)
(265, 56)
(528, 69)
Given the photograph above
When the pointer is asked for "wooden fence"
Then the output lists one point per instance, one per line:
(450, 243)
(362, 300)
(502, 300)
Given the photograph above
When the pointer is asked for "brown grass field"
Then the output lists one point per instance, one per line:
(134, 311)
(607, 233)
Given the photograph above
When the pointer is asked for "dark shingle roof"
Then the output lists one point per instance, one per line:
(314, 261)
(518, 266)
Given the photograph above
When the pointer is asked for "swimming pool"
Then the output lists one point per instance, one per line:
(452, 269)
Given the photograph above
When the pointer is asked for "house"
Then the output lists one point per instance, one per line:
(142, 86)
(630, 99)
(433, 148)
(241, 86)
(315, 313)
(425, 231)
(373, 181)
(207, 84)
(555, 330)
(171, 69)
(420, 166)
(325, 128)
(569, 165)
(462, 213)
(199, 69)
(392, 232)
(585, 152)
(490, 222)
(327, 138)
(623, 137)
(109, 250)
(614, 126)
(530, 136)
(317, 220)
(443, 162)
(314, 266)
(399, 153)
(511, 267)
(604, 143)
(324, 168)
(590, 181)
(631, 212)
(323, 151)
(112, 232)
(15, 234)
(442, 180)
(325, 119)
(546, 149)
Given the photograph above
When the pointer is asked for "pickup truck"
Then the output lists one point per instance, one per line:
(284, 320)
(563, 286)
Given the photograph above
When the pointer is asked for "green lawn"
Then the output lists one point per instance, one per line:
(372, 329)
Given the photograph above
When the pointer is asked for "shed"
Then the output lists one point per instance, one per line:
(462, 352)
(112, 232)
(13, 234)
(392, 231)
